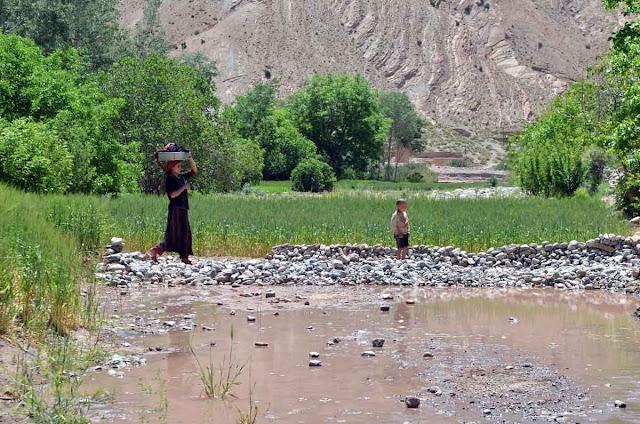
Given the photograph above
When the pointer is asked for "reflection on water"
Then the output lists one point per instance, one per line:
(588, 336)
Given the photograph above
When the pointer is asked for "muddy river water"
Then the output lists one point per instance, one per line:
(469, 355)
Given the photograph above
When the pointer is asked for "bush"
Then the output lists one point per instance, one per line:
(459, 163)
(628, 188)
(416, 173)
(33, 158)
(546, 170)
(313, 175)
(597, 162)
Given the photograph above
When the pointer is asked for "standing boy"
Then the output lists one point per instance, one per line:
(400, 228)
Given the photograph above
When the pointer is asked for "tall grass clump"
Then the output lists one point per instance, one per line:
(42, 265)
(219, 382)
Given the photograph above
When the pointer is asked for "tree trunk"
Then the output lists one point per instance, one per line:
(387, 172)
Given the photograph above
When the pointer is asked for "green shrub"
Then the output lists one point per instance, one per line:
(551, 170)
(415, 177)
(415, 173)
(460, 163)
(33, 158)
(628, 188)
(597, 160)
(313, 175)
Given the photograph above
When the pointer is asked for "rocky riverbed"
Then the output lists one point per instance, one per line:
(512, 334)
(608, 262)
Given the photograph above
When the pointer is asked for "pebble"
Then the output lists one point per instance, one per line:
(377, 342)
(410, 302)
(368, 354)
(251, 318)
(315, 363)
(427, 355)
(412, 402)
(314, 354)
(619, 404)
(385, 308)
(261, 344)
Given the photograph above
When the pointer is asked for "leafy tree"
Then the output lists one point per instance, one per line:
(57, 24)
(283, 144)
(33, 158)
(149, 38)
(406, 126)
(623, 130)
(87, 128)
(56, 89)
(32, 84)
(255, 106)
(313, 175)
(202, 65)
(341, 114)
(163, 101)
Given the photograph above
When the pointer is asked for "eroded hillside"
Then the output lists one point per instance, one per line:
(488, 64)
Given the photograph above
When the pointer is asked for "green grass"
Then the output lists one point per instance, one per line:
(372, 185)
(236, 225)
(43, 244)
(248, 225)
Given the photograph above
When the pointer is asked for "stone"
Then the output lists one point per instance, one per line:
(410, 302)
(261, 344)
(251, 318)
(385, 308)
(427, 355)
(270, 294)
(314, 354)
(368, 354)
(315, 363)
(377, 342)
(434, 389)
(619, 404)
(412, 402)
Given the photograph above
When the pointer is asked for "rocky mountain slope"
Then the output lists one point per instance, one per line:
(477, 64)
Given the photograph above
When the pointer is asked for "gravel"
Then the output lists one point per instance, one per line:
(608, 262)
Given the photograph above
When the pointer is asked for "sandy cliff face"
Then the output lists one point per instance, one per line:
(465, 63)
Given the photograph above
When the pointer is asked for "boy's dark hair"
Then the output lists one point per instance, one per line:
(401, 201)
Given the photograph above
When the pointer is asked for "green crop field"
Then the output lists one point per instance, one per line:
(372, 185)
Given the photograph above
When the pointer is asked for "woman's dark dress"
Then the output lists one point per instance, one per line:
(177, 237)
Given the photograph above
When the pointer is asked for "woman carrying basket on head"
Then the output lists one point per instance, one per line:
(177, 237)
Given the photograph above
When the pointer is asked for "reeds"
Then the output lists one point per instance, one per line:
(219, 381)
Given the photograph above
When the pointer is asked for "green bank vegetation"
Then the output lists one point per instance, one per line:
(594, 124)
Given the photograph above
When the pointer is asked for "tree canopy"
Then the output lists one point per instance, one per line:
(341, 114)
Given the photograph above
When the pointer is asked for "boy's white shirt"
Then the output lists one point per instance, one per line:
(400, 223)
